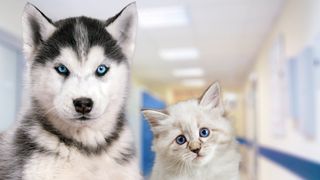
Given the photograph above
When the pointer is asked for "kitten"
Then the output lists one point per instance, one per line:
(193, 140)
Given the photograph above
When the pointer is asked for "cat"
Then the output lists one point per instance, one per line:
(193, 140)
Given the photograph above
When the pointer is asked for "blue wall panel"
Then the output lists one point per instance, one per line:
(299, 166)
(148, 102)
(304, 168)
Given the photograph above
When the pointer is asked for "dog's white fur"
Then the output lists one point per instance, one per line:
(56, 96)
(107, 97)
(72, 165)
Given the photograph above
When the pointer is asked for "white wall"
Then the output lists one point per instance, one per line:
(10, 16)
(299, 25)
(10, 60)
(134, 114)
(8, 85)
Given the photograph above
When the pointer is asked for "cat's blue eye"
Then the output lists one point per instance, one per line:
(204, 132)
(181, 139)
(102, 70)
(62, 70)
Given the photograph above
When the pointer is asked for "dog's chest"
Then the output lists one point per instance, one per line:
(77, 167)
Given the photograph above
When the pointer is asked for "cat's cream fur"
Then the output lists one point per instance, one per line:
(218, 158)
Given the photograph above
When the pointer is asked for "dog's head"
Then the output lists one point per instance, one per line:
(79, 66)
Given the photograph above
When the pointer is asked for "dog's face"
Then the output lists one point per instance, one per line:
(79, 66)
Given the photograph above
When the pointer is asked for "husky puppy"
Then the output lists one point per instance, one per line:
(73, 124)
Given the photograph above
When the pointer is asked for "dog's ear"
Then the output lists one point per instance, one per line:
(123, 27)
(36, 28)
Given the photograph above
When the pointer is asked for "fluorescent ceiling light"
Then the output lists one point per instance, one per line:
(193, 82)
(163, 17)
(179, 54)
(188, 72)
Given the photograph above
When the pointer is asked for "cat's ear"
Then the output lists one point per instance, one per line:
(154, 116)
(211, 98)
(36, 28)
(123, 27)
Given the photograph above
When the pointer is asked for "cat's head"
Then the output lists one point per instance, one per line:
(191, 132)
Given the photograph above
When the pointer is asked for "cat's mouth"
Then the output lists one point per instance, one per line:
(198, 157)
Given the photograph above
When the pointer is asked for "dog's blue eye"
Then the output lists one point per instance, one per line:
(181, 139)
(102, 70)
(63, 70)
(204, 132)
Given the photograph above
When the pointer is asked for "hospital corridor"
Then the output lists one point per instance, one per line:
(265, 54)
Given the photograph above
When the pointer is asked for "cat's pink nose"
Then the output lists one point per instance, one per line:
(195, 150)
(195, 147)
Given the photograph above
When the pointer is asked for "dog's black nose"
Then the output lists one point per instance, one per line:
(83, 105)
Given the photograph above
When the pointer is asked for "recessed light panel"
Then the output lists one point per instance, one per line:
(193, 82)
(188, 72)
(163, 17)
(179, 54)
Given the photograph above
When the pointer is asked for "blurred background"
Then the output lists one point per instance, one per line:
(265, 53)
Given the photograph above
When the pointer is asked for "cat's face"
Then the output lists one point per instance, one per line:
(191, 132)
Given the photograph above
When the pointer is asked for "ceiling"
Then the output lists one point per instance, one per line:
(227, 34)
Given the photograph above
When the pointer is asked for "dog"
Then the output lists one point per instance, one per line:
(73, 123)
